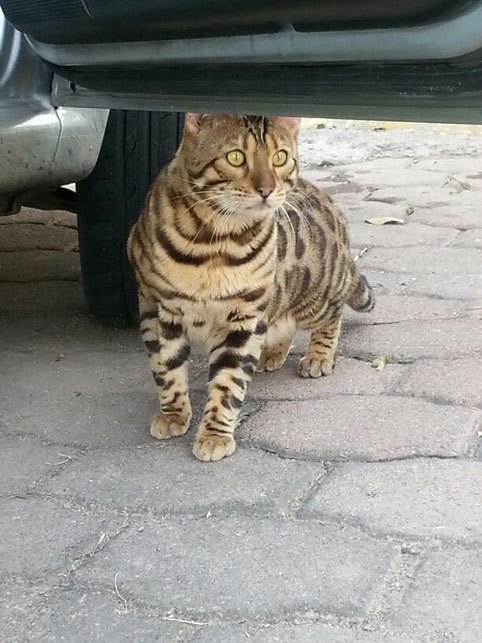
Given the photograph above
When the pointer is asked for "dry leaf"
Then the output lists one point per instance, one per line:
(461, 186)
(409, 210)
(379, 362)
(384, 221)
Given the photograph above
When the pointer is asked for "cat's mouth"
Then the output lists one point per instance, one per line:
(255, 204)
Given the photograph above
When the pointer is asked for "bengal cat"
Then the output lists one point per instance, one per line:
(234, 251)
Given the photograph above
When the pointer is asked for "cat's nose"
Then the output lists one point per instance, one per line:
(265, 191)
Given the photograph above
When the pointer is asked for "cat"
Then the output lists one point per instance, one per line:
(234, 251)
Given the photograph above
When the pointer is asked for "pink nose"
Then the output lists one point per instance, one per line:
(265, 191)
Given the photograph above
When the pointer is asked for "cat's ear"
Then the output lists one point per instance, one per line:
(291, 123)
(193, 122)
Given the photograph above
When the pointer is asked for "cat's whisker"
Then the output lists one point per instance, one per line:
(301, 215)
(304, 220)
(194, 195)
(287, 217)
(205, 201)
(189, 182)
(228, 209)
(216, 231)
(201, 228)
(215, 214)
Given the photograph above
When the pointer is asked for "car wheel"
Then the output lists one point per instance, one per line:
(136, 146)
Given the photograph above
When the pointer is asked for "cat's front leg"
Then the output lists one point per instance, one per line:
(232, 362)
(168, 352)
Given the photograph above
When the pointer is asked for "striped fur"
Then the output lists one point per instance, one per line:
(236, 258)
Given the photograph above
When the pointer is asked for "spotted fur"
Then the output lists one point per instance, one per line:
(236, 258)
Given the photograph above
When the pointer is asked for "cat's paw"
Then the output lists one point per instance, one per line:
(168, 425)
(210, 448)
(315, 367)
(270, 361)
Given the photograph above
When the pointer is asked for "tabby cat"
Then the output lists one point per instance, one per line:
(234, 251)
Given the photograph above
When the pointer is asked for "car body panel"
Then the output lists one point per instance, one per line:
(456, 36)
(109, 21)
(431, 92)
(412, 61)
(41, 146)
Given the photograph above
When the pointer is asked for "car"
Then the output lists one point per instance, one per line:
(92, 92)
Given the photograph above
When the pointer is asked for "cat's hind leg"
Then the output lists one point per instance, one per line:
(320, 357)
(279, 338)
(168, 352)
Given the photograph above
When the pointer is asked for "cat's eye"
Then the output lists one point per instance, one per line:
(236, 158)
(280, 158)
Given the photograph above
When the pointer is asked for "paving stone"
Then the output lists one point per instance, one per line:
(473, 307)
(397, 236)
(56, 335)
(376, 176)
(41, 217)
(104, 419)
(331, 176)
(36, 614)
(74, 374)
(454, 287)
(397, 308)
(391, 164)
(242, 567)
(469, 239)
(39, 538)
(107, 398)
(93, 615)
(411, 340)
(363, 427)
(61, 297)
(347, 143)
(420, 498)
(357, 211)
(346, 197)
(28, 236)
(388, 283)
(430, 197)
(303, 633)
(442, 162)
(445, 597)
(351, 376)
(458, 166)
(24, 461)
(286, 569)
(467, 286)
(15, 611)
(40, 265)
(422, 260)
(457, 381)
(450, 216)
(169, 480)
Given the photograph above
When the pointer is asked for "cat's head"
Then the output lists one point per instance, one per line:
(242, 165)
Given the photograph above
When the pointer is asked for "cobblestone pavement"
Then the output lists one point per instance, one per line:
(351, 511)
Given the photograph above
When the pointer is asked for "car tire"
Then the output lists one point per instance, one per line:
(136, 146)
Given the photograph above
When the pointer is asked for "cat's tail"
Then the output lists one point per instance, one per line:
(361, 297)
